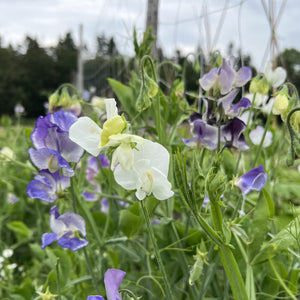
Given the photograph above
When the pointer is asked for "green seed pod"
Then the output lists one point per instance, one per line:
(196, 270)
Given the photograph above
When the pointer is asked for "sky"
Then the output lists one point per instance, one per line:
(183, 24)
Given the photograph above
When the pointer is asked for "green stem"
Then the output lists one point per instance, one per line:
(91, 271)
(262, 139)
(288, 291)
(57, 279)
(156, 250)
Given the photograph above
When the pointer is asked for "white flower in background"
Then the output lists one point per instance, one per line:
(149, 173)
(6, 153)
(87, 134)
(12, 266)
(98, 105)
(261, 102)
(276, 77)
(6, 253)
(19, 110)
(257, 134)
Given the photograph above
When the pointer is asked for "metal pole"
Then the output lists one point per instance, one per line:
(80, 62)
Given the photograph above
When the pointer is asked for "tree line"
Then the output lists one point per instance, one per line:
(29, 74)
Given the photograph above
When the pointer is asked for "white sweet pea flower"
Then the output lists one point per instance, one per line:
(87, 134)
(149, 173)
(257, 134)
(276, 77)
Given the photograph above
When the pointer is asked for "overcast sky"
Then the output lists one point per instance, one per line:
(181, 23)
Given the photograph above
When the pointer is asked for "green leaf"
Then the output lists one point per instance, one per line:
(288, 237)
(125, 96)
(20, 229)
(130, 223)
(269, 202)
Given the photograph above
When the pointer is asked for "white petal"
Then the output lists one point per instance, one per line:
(126, 179)
(111, 108)
(161, 186)
(140, 194)
(278, 77)
(156, 153)
(87, 134)
(123, 155)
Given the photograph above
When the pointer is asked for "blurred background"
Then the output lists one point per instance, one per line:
(46, 43)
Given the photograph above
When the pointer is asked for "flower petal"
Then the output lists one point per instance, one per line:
(111, 108)
(112, 280)
(47, 239)
(87, 134)
(208, 80)
(126, 179)
(72, 243)
(95, 297)
(161, 186)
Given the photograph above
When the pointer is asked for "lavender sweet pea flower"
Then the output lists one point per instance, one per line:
(52, 132)
(64, 228)
(225, 78)
(46, 186)
(112, 281)
(254, 179)
(204, 134)
(93, 167)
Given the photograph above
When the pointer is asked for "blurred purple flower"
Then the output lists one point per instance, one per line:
(46, 186)
(225, 78)
(64, 228)
(255, 179)
(112, 281)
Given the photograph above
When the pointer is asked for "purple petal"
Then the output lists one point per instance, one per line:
(72, 243)
(54, 211)
(104, 161)
(63, 120)
(47, 239)
(104, 205)
(254, 179)
(242, 76)
(73, 222)
(227, 100)
(207, 134)
(233, 133)
(226, 78)
(208, 80)
(40, 131)
(236, 109)
(95, 297)
(42, 187)
(89, 196)
(112, 280)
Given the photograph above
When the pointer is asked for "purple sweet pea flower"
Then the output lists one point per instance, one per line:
(45, 158)
(233, 110)
(46, 186)
(64, 228)
(225, 78)
(204, 134)
(232, 133)
(93, 167)
(112, 281)
(254, 179)
(52, 132)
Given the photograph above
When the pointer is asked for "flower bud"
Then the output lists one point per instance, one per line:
(281, 104)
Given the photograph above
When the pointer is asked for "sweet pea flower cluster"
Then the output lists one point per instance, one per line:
(221, 108)
(53, 153)
(137, 163)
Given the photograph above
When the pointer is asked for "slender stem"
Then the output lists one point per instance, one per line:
(88, 262)
(156, 250)
(262, 139)
(57, 279)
